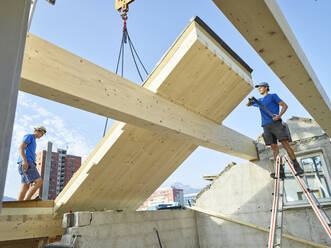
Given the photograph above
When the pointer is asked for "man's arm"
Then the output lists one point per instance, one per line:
(21, 148)
(283, 110)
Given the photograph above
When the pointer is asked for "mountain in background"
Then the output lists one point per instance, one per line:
(186, 188)
(7, 198)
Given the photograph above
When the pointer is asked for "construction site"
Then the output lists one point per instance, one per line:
(180, 106)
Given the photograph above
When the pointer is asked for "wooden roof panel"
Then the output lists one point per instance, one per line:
(130, 163)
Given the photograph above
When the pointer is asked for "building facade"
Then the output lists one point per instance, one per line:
(56, 169)
(162, 196)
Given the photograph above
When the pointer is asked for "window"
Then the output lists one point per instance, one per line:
(316, 177)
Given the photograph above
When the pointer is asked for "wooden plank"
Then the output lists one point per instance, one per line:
(131, 162)
(84, 85)
(31, 207)
(15, 227)
(28, 220)
(28, 204)
(22, 243)
(267, 31)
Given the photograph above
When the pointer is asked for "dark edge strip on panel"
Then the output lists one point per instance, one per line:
(221, 42)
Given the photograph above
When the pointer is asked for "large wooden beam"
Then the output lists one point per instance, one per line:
(14, 21)
(199, 73)
(56, 74)
(266, 29)
(29, 220)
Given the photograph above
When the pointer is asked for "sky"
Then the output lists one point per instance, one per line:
(93, 30)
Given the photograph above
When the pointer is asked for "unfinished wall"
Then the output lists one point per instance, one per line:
(234, 194)
(176, 228)
(244, 192)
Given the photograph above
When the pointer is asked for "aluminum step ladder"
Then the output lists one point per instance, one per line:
(275, 233)
(317, 207)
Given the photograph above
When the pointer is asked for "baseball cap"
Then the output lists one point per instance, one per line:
(262, 84)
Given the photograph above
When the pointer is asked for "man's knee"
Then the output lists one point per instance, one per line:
(25, 186)
(285, 144)
(38, 182)
(274, 147)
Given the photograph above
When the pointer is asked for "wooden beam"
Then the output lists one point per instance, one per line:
(28, 204)
(31, 207)
(130, 163)
(266, 29)
(14, 227)
(25, 225)
(29, 220)
(56, 74)
(14, 21)
(23, 243)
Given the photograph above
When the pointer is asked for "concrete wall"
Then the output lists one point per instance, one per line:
(176, 228)
(233, 194)
(244, 192)
(302, 128)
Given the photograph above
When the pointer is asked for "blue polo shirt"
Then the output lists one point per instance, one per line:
(30, 149)
(271, 102)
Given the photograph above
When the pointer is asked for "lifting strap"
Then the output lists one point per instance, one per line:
(120, 60)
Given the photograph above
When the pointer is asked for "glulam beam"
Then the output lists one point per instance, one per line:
(56, 74)
(264, 26)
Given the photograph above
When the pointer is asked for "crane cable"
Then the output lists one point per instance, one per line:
(126, 39)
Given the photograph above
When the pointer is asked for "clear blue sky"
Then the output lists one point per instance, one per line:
(93, 29)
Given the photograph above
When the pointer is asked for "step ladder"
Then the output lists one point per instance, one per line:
(317, 207)
(275, 234)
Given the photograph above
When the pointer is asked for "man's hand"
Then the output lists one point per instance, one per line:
(25, 166)
(249, 103)
(276, 117)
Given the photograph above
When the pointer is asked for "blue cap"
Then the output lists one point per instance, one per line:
(262, 84)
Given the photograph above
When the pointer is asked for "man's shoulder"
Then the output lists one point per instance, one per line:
(273, 97)
(29, 135)
(276, 98)
(28, 138)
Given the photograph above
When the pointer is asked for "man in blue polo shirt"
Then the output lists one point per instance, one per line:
(30, 177)
(273, 128)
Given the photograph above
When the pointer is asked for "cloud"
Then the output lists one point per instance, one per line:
(29, 114)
